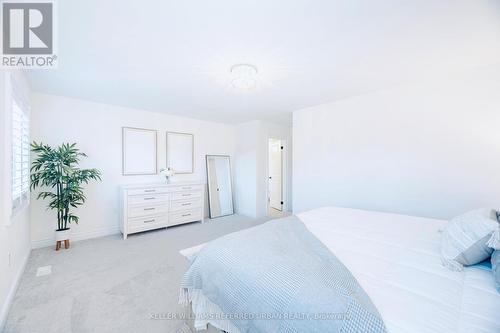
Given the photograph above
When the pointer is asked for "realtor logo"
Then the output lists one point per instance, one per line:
(28, 31)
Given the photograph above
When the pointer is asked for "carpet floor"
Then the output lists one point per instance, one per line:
(111, 285)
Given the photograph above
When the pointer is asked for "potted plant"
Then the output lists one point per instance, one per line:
(57, 169)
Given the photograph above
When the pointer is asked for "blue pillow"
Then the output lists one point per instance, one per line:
(485, 264)
(495, 264)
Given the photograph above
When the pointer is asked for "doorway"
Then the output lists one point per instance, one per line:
(275, 178)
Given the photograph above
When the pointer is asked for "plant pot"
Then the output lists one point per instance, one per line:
(62, 236)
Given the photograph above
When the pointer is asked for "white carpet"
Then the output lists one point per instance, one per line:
(111, 285)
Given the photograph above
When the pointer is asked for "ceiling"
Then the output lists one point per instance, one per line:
(175, 56)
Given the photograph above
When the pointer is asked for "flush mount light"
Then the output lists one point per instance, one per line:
(244, 76)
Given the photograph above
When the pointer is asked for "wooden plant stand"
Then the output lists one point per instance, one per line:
(59, 244)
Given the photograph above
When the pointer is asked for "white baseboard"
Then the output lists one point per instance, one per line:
(12, 292)
(77, 236)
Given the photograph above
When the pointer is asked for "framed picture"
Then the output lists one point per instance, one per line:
(180, 152)
(139, 151)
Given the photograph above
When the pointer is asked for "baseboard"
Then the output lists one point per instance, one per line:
(77, 236)
(251, 214)
(12, 292)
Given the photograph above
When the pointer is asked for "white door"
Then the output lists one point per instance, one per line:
(275, 167)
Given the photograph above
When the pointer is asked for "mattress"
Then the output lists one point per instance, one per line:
(395, 258)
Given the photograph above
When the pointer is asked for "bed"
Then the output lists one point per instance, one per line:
(395, 259)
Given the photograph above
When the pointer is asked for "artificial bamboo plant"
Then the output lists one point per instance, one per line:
(57, 169)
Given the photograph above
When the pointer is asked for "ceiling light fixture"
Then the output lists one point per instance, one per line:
(244, 76)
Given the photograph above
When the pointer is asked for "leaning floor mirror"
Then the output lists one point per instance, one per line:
(220, 192)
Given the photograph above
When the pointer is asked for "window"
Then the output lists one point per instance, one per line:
(20, 155)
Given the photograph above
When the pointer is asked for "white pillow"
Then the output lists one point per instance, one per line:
(470, 238)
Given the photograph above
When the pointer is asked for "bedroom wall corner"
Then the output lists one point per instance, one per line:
(245, 181)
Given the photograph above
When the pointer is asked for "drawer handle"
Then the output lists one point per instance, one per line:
(152, 208)
(186, 188)
(186, 195)
(186, 204)
(152, 198)
(149, 191)
(184, 215)
(149, 221)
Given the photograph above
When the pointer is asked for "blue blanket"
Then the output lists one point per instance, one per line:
(278, 277)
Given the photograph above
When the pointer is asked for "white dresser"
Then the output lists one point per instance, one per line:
(152, 206)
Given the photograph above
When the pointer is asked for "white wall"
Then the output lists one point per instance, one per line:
(430, 149)
(14, 230)
(245, 175)
(97, 129)
(251, 174)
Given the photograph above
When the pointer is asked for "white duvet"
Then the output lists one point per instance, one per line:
(396, 260)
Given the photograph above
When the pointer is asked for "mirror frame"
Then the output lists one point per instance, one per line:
(208, 185)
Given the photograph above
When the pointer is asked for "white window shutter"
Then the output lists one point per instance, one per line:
(20, 154)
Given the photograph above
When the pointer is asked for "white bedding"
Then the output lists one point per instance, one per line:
(396, 260)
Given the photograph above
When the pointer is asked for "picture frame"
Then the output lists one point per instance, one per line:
(180, 152)
(139, 151)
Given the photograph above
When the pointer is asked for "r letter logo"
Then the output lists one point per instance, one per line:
(28, 34)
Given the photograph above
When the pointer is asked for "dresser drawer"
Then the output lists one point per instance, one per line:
(147, 209)
(186, 195)
(147, 199)
(147, 227)
(185, 216)
(186, 188)
(142, 222)
(152, 190)
(176, 205)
